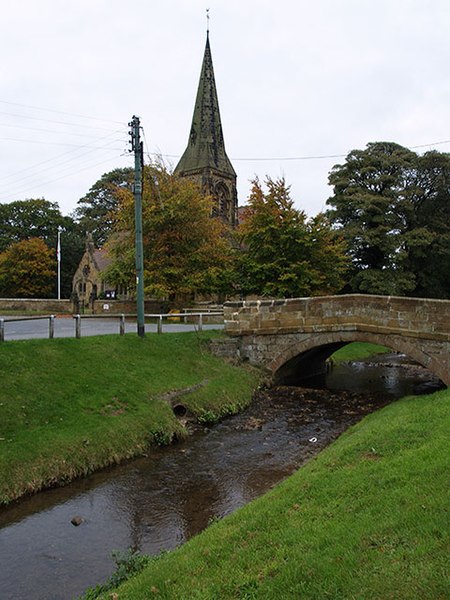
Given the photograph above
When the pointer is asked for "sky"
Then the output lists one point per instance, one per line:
(300, 85)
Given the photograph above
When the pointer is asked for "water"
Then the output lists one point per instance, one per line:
(158, 502)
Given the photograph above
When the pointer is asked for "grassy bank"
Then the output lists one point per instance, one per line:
(68, 407)
(367, 519)
(358, 351)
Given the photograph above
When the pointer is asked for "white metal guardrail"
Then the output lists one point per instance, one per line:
(185, 317)
(50, 318)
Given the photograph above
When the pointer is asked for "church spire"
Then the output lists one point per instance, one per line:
(205, 158)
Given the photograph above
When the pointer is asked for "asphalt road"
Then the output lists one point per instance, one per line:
(65, 327)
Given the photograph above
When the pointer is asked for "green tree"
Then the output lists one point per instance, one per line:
(428, 235)
(38, 218)
(384, 198)
(97, 210)
(283, 253)
(185, 250)
(27, 270)
(25, 219)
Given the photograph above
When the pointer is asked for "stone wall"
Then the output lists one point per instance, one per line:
(27, 305)
(273, 332)
(416, 316)
(127, 307)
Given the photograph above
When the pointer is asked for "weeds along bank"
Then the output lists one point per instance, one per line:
(69, 407)
(367, 518)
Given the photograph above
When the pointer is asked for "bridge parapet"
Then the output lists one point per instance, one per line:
(271, 332)
(384, 314)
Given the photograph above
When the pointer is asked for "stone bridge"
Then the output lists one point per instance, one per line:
(299, 334)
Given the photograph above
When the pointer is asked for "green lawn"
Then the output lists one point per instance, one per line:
(68, 407)
(367, 519)
(358, 351)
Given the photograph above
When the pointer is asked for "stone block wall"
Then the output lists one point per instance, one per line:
(389, 314)
(128, 307)
(272, 332)
(27, 305)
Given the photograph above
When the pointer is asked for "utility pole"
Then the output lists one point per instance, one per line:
(58, 259)
(137, 148)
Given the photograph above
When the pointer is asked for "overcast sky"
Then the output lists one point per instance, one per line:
(296, 80)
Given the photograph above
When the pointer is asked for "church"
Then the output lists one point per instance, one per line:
(205, 160)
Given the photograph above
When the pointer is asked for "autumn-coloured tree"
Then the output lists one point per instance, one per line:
(27, 270)
(185, 250)
(39, 218)
(285, 254)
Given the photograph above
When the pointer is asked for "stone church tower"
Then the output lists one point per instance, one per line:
(205, 160)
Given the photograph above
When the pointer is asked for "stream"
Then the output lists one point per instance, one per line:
(158, 502)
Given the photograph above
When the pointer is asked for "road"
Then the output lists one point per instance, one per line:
(65, 327)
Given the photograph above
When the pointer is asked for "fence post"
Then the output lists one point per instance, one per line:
(77, 326)
(122, 325)
(200, 322)
(2, 330)
(51, 327)
(159, 324)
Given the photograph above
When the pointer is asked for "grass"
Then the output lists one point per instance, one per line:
(69, 407)
(368, 519)
(358, 351)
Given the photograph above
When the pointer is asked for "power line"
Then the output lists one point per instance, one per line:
(90, 166)
(59, 156)
(52, 121)
(289, 158)
(145, 142)
(4, 139)
(53, 130)
(272, 158)
(69, 165)
(433, 144)
(284, 158)
(61, 112)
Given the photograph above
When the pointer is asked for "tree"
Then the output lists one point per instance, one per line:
(383, 200)
(429, 249)
(38, 218)
(25, 219)
(185, 250)
(283, 253)
(96, 211)
(27, 270)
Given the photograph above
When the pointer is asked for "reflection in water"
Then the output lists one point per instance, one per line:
(387, 373)
(159, 502)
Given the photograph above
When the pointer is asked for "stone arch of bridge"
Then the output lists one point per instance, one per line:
(310, 354)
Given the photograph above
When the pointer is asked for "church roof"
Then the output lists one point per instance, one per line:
(206, 148)
(102, 259)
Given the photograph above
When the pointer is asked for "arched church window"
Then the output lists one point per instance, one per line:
(223, 199)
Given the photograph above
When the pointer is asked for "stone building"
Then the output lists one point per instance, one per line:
(205, 159)
(87, 283)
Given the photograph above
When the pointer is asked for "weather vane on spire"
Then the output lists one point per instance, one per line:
(207, 20)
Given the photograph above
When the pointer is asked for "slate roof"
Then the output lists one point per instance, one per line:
(101, 259)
